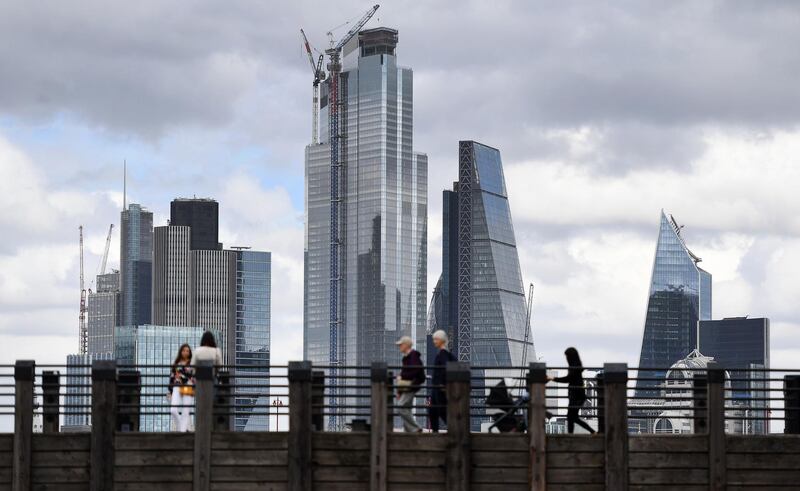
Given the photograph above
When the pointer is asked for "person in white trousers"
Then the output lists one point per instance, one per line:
(182, 384)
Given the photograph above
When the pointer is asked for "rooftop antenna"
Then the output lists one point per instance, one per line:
(124, 184)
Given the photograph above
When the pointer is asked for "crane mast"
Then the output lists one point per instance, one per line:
(105, 253)
(82, 330)
(319, 74)
(338, 159)
(526, 339)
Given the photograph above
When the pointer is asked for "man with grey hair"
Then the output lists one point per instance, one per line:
(438, 407)
(411, 378)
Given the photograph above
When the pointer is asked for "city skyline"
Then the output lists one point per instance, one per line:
(586, 174)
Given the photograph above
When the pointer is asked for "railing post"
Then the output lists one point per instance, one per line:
(458, 426)
(222, 402)
(716, 429)
(51, 386)
(378, 423)
(104, 422)
(700, 393)
(129, 391)
(299, 425)
(203, 424)
(615, 378)
(600, 403)
(537, 409)
(317, 399)
(791, 403)
(24, 374)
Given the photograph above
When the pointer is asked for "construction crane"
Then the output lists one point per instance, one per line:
(105, 253)
(338, 159)
(319, 75)
(526, 339)
(82, 331)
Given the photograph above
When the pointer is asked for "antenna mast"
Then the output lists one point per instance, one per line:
(82, 330)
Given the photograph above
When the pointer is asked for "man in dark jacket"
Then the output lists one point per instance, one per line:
(411, 378)
(438, 407)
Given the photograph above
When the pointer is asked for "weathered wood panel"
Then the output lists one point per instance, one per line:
(574, 443)
(60, 461)
(671, 443)
(416, 460)
(575, 462)
(153, 460)
(668, 476)
(154, 441)
(763, 444)
(661, 460)
(249, 461)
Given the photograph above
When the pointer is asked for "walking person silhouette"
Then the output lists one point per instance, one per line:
(576, 392)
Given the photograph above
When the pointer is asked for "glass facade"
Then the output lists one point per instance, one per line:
(680, 296)
(103, 314)
(384, 213)
(741, 346)
(202, 216)
(78, 391)
(253, 284)
(153, 349)
(482, 304)
(136, 265)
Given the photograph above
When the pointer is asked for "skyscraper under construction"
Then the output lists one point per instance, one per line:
(380, 216)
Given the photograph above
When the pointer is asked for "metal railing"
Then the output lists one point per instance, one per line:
(754, 400)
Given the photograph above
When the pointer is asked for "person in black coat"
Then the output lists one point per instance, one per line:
(438, 407)
(576, 392)
(410, 380)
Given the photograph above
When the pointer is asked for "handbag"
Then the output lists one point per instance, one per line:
(186, 390)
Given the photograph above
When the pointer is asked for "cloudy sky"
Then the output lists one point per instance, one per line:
(604, 115)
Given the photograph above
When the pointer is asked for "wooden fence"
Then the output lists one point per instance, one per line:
(378, 459)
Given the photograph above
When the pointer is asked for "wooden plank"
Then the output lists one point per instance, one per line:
(124, 458)
(241, 440)
(154, 441)
(458, 426)
(153, 473)
(379, 452)
(341, 474)
(404, 486)
(337, 457)
(422, 475)
(575, 443)
(60, 459)
(341, 441)
(669, 487)
(499, 442)
(762, 461)
(517, 475)
(204, 423)
(6, 442)
(62, 442)
(6, 458)
(221, 473)
(417, 459)
(482, 486)
(61, 486)
(575, 476)
(153, 486)
(668, 476)
(761, 478)
(104, 419)
(667, 444)
(5, 475)
(652, 460)
(250, 457)
(763, 443)
(344, 486)
(249, 486)
(24, 374)
(417, 441)
(575, 487)
(56, 475)
(498, 459)
(575, 460)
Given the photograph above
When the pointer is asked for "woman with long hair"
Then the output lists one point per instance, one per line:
(576, 392)
(182, 385)
(207, 351)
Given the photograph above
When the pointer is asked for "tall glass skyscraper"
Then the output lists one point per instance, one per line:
(136, 265)
(680, 296)
(253, 284)
(479, 298)
(383, 267)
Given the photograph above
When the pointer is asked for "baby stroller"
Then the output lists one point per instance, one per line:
(509, 415)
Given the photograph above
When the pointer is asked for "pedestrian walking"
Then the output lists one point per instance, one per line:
(207, 351)
(438, 408)
(181, 383)
(576, 392)
(411, 378)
